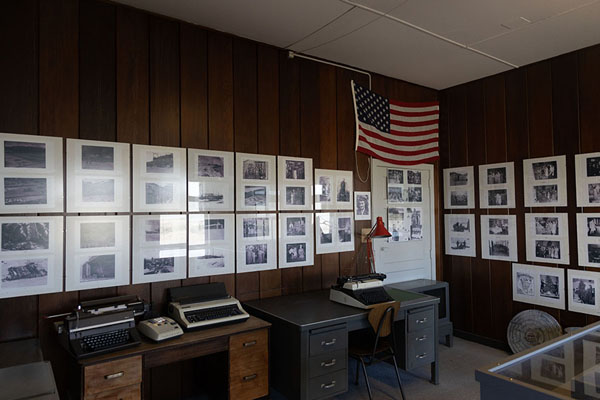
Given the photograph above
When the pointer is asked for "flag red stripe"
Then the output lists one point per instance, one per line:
(414, 105)
(396, 161)
(418, 123)
(397, 142)
(412, 134)
(398, 152)
(414, 113)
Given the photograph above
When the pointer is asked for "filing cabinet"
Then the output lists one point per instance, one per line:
(249, 365)
(328, 361)
(416, 339)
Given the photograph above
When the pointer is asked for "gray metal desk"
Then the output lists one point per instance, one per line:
(309, 339)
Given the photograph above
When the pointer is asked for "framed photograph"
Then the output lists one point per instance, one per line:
(31, 178)
(295, 183)
(555, 367)
(497, 185)
(545, 182)
(97, 176)
(499, 237)
(401, 186)
(587, 177)
(588, 240)
(296, 240)
(547, 237)
(405, 223)
(460, 234)
(31, 255)
(256, 183)
(335, 232)
(210, 180)
(211, 244)
(581, 291)
(97, 251)
(544, 286)
(159, 247)
(256, 242)
(333, 189)
(362, 206)
(159, 179)
(459, 188)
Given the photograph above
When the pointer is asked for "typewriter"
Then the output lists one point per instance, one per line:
(362, 291)
(205, 305)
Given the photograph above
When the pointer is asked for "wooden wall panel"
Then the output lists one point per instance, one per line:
(589, 87)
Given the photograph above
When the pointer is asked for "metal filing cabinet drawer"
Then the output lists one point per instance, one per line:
(326, 341)
(327, 363)
(328, 385)
(420, 349)
(420, 319)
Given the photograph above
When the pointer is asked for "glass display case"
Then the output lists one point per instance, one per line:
(567, 367)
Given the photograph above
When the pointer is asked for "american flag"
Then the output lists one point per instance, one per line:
(395, 132)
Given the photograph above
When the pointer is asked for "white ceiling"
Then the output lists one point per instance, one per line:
(435, 43)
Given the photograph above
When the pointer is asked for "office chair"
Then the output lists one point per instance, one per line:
(367, 352)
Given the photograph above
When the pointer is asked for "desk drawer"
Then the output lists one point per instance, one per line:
(249, 365)
(133, 392)
(112, 375)
(247, 343)
(327, 341)
(420, 319)
(420, 348)
(328, 385)
(327, 363)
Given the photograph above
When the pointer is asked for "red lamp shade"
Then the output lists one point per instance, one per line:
(379, 230)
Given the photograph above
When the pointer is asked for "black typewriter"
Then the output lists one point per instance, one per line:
(362, 291)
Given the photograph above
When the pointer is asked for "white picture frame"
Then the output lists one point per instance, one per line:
(582, 289)
(459, 188)
(588, 239)
(534, 284)
(256, 242)
(211, 244)
(547, 237)
(210, 181)
(335, 232)
(159, 247)
(295, 183)
(159, 179)
(97, 251)
(98, 177)
(403, 186)
(405, 224)
(497, 185)
(333, 189)
(545, 182)
(587, 178)
(256, 182)
(460, 235)
(362, 206)
(296, 240)
(31, 257)
(31, 174)
(499, 237)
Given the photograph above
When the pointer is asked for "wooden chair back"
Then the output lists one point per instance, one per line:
(381, 319)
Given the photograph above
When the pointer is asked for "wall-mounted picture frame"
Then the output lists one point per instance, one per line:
(362, 206)
(333, 189)
(97, 176)
(335, 232)
(296, 239)
(588, 239)
(211, 244)
(544, 286)
(581, 291)
(31, 255)
(159, 179)
(545, 181)
(587, 177)
(460, 234)
(159, 247)
(499, 237)
(256, 242)
(256, 182)
(497, 185)
(459, 188)
(210, 181)
(403, 186)
(405, 223)
(547, 237)
(97, 251)
(31, 174)
(295, 183)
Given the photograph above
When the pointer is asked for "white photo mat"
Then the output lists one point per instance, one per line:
(405, 223)
(499, 237)
(587, 180)
(211, 244)
(256, 182)
(545, 181)
(31, 255)
(296, 239)
(497, 185)
(335, 232)
(210, 181)
(97, 251)
(582, 290)
(544, 286)
(333, 189)
(295, 183)
(460, 235)
(362, 206)
(547, 237)
(31, 177)
(256, 242)
(588, 239)
(404, 186)
(459, 188)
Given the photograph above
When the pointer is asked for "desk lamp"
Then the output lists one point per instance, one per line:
(378, 231)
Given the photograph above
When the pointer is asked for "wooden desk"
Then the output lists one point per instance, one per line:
(119, 375)
(309, 350)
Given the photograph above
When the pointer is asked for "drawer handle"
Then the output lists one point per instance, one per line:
(249, 377)
(422, 321)
(328, 364)
(420, 339)
(330, 343)
(328, 386)
(248, 344)
(422, 356)
(114, 376)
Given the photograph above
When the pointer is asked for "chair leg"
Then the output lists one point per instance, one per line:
(364, 368)
(357, 368)
(398, 376)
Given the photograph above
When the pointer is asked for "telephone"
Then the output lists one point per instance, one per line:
(160, 328)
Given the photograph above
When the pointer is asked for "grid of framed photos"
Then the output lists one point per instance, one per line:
(581, 291)
(295, 183)
(159, 248)
(404, 186)
(256, 242)
(31, 174)
(255, 182)
(31, 255)
(362, 206)
(333, 189)
(405, 223)
(545, 182)
(587, 174)
(547, 237)
(335, 232)
(97, 251)
(499, 237)
(210, 180)
(588, 239)
(459, 188)
(159, 179)
(544, 286)
(211, 244)
(497, 185)
(97, 176)
(296, 240)
(460, 235)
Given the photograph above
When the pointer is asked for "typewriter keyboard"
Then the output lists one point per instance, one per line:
(212, 313)
(105, 340)
(374, 296)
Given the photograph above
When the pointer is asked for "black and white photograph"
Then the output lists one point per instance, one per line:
(593, 253)
(395, 176)
(553, 370)
(592, 166)
(255, 195)
(325, 193)
(460, 234)
(499, 248)
(549, 286)
(159, 265)
(581, 291)
(459, 188)
(395, 224)
(497, 185)
(545, 182)
(97, 158)
(210, 258)
(344, 226)
(295, 252)
(549, 249)
(413, 177)
(459, 198)
(159, 193)
(498, 226)
(152, 230)
(395, 194)
(546, 226)
(362, 206)
(211, 166)
(159, 162)
(296, 229)
(497, 197)
(96, 234)
(415, 194)
(545, 194)
(25, 191)
(594, 193)
(460, 243)
(525, 284)
(295, 184)
(256, 227)
(335, 232)
(325, 232)
(416, 225)
(24, 154)
(588, 239)
(295, 195)
(459, 178)
(547, 237)
(16, 274)
(343, 192)
(256, 254)
(25, 236)
(584, 291)
(545, 170)
(214, 229)
(204, 196)
(294, 169)
(97, 190)
(539, 285)
(496, 175)
(296, 226)
(98, 268)
(333, 190)
(211, 244)
(256, 170)
(462, 224)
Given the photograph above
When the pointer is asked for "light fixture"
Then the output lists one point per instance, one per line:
(377, 231)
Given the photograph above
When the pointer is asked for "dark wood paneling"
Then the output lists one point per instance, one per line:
(220, 92)
(539, 107)
(589, 87)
